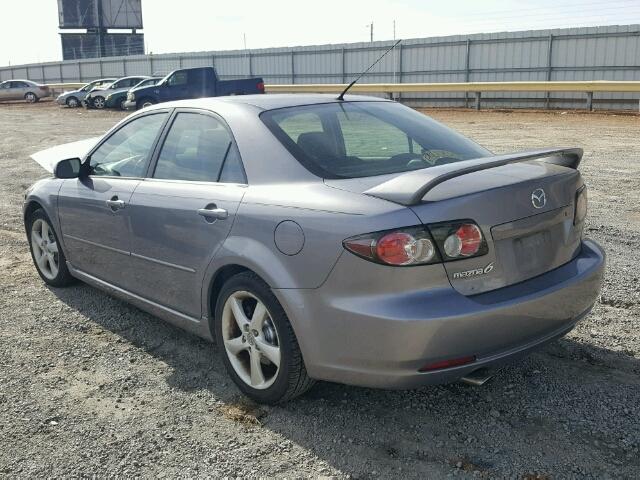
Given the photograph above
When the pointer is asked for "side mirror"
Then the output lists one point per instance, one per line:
(69, 168)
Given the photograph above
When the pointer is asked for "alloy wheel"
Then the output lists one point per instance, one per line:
(251, 340)
(45, 249)
(30, 97)
(98, 102)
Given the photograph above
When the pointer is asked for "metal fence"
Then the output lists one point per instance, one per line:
(589, 53)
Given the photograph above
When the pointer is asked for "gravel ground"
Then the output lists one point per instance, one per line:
(92, 386)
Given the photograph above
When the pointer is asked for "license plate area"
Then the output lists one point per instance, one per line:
(534, 250)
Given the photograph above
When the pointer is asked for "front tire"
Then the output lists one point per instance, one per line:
(257, 343)
(73, 102)
(46, 251)
(144, 102)
(30, 97)
(99, 102)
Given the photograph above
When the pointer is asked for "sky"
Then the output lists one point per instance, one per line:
(199, 25)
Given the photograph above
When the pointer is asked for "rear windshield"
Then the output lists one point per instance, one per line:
(362, 139)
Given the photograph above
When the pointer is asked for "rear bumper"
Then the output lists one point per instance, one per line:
(383, 340)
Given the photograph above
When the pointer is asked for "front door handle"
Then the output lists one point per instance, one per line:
(217, 213)
(115, 204)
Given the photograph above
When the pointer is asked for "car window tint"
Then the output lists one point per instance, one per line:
(126, 152)
(294, 125)
(195, 149)
(233, 171)
(368, 137)
(361, 139)
(178, 78)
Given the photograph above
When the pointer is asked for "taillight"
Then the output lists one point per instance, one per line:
(461, 239)
(581, 205)
(261, 86)
(404, 247)
(420, 245)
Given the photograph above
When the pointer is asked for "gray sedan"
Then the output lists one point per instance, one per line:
(354, 241)
(74, 98)
(26, 90)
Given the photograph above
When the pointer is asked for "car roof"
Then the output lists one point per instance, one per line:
(19, 80)
(271, 101)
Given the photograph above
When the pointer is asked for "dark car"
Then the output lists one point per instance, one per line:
(118, 99)
(191, 83)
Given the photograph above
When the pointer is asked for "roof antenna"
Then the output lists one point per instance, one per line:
(341, 96)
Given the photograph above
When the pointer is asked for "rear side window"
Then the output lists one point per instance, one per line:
(196, 149)
(361, 139)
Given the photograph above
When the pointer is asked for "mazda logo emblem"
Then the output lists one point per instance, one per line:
(538, 198)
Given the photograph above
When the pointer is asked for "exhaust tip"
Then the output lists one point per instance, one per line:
(479, 377)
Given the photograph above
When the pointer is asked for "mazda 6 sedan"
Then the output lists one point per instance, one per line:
(354, 241)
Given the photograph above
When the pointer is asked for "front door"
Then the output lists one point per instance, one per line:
(94, 209)
(182, 214)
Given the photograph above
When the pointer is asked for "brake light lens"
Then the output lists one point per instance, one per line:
(581, 205)
(261, 87)
(404, 247)
(420, 245)
(459, 239)
(464, 242)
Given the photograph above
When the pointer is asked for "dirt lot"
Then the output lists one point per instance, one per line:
(92, 386)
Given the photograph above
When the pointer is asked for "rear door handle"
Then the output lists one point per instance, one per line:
(115, 204)
(217, 213)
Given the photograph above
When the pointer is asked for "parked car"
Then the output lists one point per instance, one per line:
(118, 98)
(96, 98)
(30, 91)
(191, 83)
(74, 98)
(353, 241)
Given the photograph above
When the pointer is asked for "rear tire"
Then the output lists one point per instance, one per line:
(72, 102)
(30, 97)
(99, 102)
(46, 251)
(263, 338)
(144, 102)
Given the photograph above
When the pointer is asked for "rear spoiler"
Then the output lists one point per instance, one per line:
(409, 188)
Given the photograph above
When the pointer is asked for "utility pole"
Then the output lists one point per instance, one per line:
(394, 52)
(371, 31)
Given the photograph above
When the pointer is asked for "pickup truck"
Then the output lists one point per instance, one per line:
(191, 83)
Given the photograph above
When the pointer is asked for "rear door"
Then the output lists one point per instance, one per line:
(17, 90)
(184, 211)
(94, 209)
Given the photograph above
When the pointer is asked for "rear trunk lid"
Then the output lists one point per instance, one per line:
(524, 240)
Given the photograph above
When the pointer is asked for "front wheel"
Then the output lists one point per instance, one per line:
(31, 97)
(257, 343)
(72, 102)
(46, 251)
(99, 102)
(144, 102)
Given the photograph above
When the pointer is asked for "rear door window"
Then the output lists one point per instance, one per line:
(196, 148)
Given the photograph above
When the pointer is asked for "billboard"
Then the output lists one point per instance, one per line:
(100, 14)
(86, 45)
